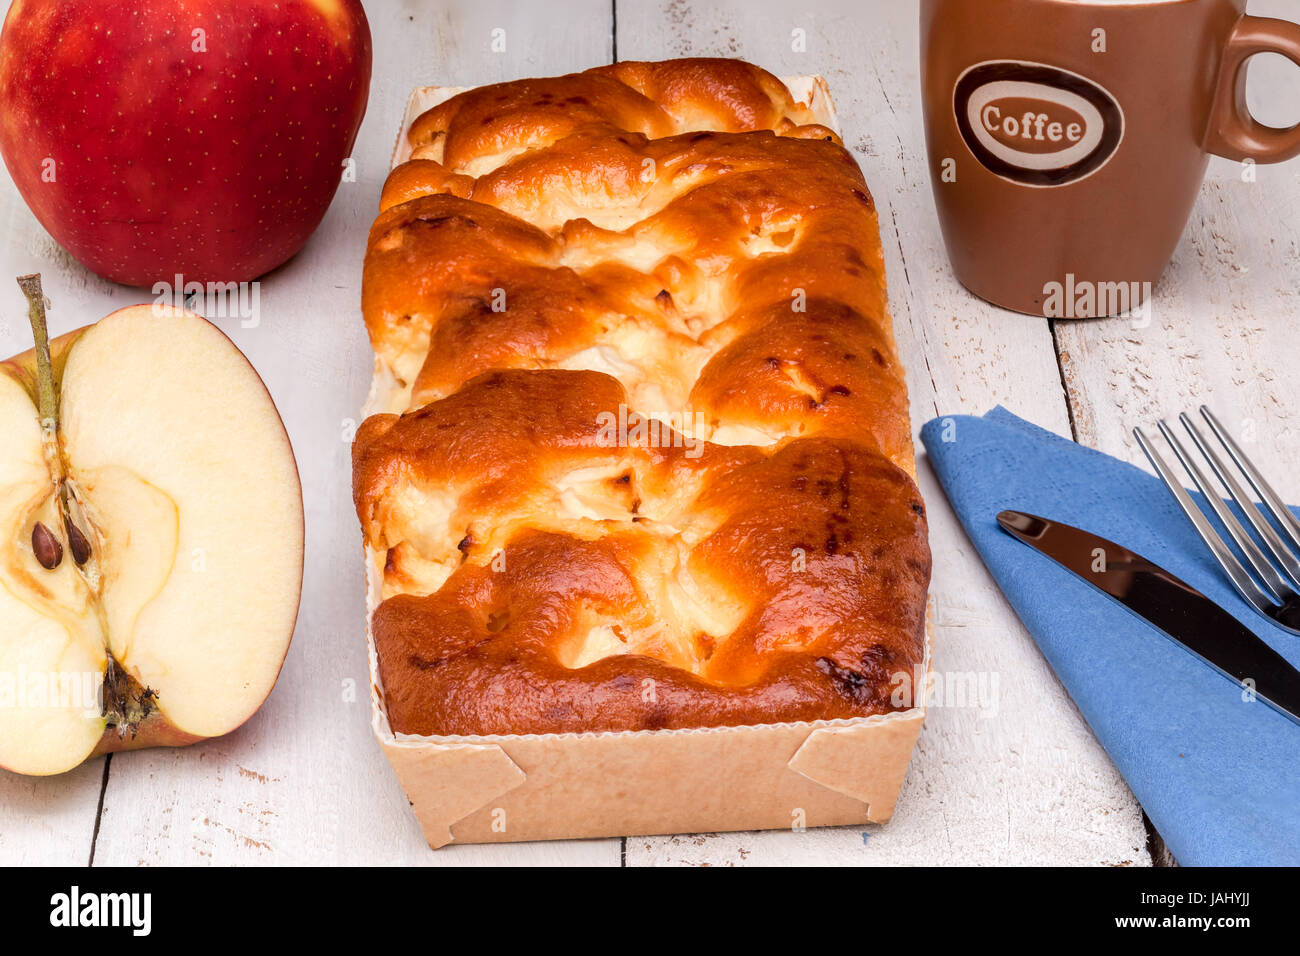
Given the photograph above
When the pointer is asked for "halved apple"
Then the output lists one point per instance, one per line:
(151, 539)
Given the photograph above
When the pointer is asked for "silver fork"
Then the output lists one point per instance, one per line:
(1273, 588)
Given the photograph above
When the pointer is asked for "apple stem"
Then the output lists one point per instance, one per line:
(47, 397)
(47, 393)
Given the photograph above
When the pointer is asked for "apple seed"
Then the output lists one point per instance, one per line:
(48, 550)
(77, 542)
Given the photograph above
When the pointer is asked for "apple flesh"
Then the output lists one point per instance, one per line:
(203, 138)
(172, 461)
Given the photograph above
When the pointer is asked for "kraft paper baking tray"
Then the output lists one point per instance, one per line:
(551, 786)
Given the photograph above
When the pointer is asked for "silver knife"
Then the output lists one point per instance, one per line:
(1171, 605)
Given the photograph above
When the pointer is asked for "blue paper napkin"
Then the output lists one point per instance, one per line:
(1219, 777)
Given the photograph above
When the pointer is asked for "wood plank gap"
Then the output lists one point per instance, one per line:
(99, 809)
(1156, 846)
(1065, 386)
(613, 31)
(898, 237)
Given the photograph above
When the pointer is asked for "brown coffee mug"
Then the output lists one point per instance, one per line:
(1068, 138)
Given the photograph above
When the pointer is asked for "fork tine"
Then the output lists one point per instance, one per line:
(1242, 580)
(1264, 571)
(1289, 562)
(1280, 512)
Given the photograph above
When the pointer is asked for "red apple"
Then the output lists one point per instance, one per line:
(203, 138)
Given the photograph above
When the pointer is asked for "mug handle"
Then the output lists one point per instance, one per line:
(1234, 133)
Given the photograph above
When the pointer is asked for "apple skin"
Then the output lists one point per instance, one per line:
(154, 732)
(215, 165)
(22, 367)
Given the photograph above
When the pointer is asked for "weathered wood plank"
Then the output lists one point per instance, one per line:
(304, 781)
(1026, 783)
(46, 820)
(1222, 331)
(1223, 326)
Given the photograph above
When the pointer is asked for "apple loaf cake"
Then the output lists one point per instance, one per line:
(649, 461)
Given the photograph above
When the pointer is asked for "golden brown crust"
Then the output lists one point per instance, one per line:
(565, 267)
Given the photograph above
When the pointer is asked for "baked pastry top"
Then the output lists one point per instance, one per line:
(649, 461)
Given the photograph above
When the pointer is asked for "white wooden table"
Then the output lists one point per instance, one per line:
(1025, 782)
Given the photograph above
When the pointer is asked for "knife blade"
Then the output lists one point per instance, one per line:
(1169, 604)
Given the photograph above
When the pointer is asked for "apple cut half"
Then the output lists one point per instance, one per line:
(151, 539)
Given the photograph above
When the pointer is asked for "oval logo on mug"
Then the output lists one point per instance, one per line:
(1036, 124)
